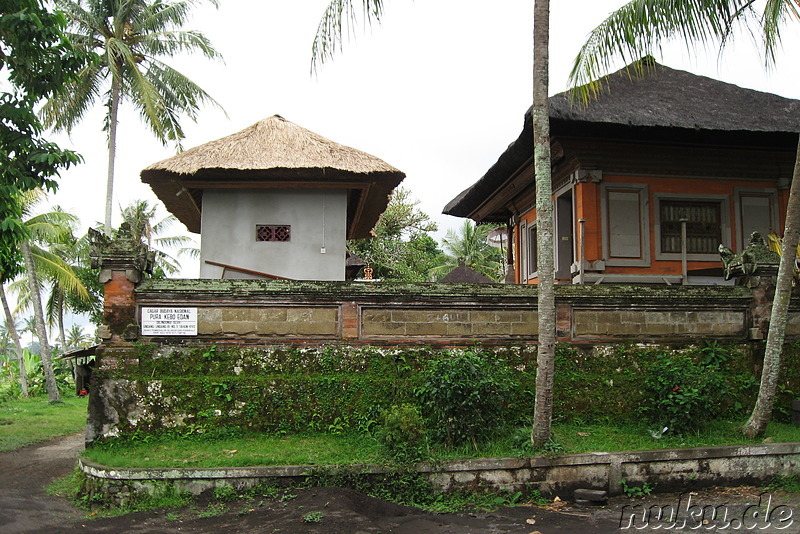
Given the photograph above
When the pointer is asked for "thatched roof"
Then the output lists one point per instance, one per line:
(671, 98)
(671, 102)
(466, 275)
(274, 153)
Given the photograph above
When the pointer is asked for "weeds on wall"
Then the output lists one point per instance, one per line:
(340, 389)
(678, 388)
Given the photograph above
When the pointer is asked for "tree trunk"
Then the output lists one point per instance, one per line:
(540, 113)
(62, 338)
(112, 149)
(12, 329)
(762, 412)
(41, 332)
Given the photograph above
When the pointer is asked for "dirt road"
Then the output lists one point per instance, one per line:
(26, 508)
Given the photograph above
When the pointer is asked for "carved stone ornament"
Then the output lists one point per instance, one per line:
(124, 252)
(755, 260)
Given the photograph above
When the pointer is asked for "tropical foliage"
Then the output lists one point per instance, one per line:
(37, 61)
(47, 231)
(130, 38)
(470, 247)
(140, 216)
(402, 248)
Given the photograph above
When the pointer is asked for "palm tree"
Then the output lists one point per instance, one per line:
(141, 218)
(130, 37)
(11, 329)
(638, 29)
(471, 247)
(329, 40)
(40, 263)
(542, 166)
(76, 337)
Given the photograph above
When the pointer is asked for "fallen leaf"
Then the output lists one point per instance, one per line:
(583, 434)
(530, 521)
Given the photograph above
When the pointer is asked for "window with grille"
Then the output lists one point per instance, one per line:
(703, 226)
(273, 232)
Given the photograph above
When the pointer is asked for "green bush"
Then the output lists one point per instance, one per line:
(683, 394)
(403, 432)
(466, 395)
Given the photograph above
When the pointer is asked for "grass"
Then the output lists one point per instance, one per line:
(327, 449)
(599, 438)
(34, 420)
(246, 450)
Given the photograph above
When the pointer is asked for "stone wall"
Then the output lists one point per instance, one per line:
(251, 311)
(679, 470)
(180, 377)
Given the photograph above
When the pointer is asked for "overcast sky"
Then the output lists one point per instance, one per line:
(438, 90)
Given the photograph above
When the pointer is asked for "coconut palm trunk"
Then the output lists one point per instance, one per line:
(540, 113)
(112, 150)
(41, 331)
(12, 329)
(762, 411)
(62, 337)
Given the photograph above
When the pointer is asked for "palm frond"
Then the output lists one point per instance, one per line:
(772, 20)
(51, 267)
(64, 110)
(169, 43)
(191, 252)
(641, 27)
(338, 16)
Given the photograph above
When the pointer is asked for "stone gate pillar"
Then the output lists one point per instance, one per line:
(122, 262)
(757, 268)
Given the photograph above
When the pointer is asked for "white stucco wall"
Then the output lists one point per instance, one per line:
(318, 218)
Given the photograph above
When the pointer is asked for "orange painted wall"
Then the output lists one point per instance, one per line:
(688, 187)
(587, 204)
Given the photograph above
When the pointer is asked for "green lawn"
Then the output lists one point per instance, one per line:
(28, 421)
(327, 449)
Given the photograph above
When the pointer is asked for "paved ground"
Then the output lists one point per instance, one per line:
(26, 508)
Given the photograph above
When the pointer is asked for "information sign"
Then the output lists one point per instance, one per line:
(169, 321)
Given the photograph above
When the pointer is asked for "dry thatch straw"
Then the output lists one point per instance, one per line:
(274, 153)
(273, 143)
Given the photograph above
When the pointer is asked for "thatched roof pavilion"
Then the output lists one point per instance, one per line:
(664, 105)
(274, 153)
(465, 275)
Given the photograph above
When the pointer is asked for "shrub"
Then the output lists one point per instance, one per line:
(684, 394)
(465, 396)
(403, 432)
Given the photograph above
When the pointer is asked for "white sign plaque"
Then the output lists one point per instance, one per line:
(169, 321)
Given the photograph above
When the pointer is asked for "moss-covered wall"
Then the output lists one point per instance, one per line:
(341, 387)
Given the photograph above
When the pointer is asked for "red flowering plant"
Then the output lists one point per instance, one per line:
(683, 394)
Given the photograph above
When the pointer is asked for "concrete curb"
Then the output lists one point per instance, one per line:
(664, 470)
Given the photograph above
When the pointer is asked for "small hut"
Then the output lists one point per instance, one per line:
(274, 200)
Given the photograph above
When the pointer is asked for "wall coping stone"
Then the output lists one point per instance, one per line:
(293, 290)
(613, 460)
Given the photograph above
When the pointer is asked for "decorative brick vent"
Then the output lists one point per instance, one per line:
(273, 232)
